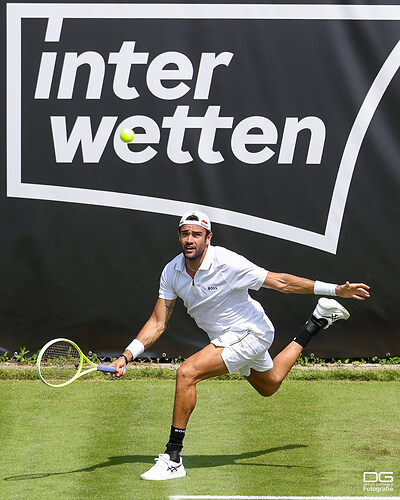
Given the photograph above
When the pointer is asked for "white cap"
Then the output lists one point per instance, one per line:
(202, 220)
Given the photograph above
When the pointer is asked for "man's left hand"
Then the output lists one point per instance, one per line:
(357, 291)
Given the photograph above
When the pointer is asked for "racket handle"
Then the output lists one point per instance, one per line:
(106, 369)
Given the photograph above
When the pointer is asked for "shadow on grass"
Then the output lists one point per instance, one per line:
(191, 462)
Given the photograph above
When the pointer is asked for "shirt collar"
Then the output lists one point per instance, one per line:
(205, 265)
(208, 259)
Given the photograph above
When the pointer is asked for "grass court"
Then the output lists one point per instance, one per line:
(93, 438)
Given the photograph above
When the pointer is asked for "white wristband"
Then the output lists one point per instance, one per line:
(321, 288)
(136, 348)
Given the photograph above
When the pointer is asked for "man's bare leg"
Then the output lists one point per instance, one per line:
(267, 383)
(202, 365)
(326, 312)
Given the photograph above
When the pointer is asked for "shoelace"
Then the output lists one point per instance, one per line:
(173, 468)
(170, 467)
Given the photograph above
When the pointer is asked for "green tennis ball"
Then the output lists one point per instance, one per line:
(127, 135)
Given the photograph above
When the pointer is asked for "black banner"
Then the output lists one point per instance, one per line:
(279, 121)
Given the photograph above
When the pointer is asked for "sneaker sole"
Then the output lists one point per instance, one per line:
(177, 476)
(334, 304)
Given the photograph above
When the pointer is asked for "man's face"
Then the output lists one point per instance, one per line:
(193, 241)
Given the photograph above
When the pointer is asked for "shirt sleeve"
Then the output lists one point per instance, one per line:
(243, 274)
(166, 290)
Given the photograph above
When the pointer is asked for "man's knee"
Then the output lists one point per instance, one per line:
(267, 391)
(185, 374)
(265, 383)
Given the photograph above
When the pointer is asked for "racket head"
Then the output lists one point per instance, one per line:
(60, 362)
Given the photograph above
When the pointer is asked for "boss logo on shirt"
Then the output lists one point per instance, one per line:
(213, 288)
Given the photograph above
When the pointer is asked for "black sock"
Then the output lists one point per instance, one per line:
(309, 329)
(174, 445)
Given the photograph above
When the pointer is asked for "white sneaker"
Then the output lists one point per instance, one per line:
(164, 468)
(330, 310)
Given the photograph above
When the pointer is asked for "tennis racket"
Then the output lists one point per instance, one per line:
(61, 361)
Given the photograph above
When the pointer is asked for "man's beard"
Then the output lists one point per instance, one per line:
(196, 255)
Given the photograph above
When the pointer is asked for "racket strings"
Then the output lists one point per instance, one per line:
(62, 354)
(60, 362)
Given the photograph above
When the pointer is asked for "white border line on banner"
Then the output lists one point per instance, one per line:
(57, 12)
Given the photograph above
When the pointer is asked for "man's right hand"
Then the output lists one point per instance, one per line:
(120, 367)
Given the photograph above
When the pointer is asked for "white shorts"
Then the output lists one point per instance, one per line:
(245, 350)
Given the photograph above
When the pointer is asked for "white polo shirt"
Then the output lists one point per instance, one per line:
(217, 298)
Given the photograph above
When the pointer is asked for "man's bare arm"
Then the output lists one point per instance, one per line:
(288, 283)
(157, 323)
(151, 331)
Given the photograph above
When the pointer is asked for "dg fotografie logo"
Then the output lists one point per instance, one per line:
(378, 481)
(193, 73)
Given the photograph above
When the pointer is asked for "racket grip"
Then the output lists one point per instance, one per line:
(106, 369)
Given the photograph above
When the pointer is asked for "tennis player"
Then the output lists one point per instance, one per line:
(213, 283)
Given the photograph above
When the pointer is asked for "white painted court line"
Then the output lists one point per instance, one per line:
(240, 497)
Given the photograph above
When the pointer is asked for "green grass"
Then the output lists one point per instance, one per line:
(15, 371)
(92, 439)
